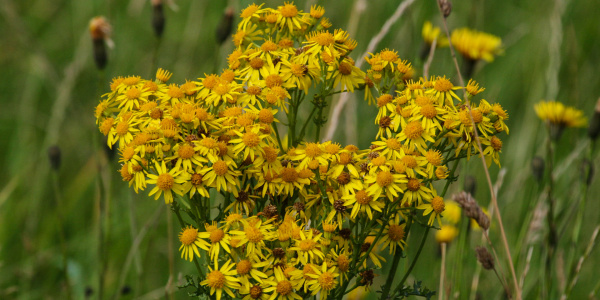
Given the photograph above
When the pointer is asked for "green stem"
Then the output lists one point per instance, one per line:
(551, 242)
(388, 284)
(414, 262)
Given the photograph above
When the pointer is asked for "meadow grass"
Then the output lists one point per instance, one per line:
(83, 216)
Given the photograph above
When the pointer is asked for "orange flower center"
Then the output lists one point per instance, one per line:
(220, 168)
(165, 182)
(188, 236)
(384, 178)
(250, 139)
(413, 130)
(396, 232)
(216, 279)
(438, 204)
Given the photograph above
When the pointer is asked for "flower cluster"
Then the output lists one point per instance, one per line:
(276, 216)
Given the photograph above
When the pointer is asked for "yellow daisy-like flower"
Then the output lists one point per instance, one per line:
(307, 247)
(247, 269)
(222, 279)
(446, 234)
(452, 212)
(431, 33)
(435, 208)
(558, 114)
(476, 45)
(219, 238)
(416, 192)
(323, 280)
(255, 234)
(282, 287)
(443, 91)
(387, 183)
(256, 291)
(289, 17)
(222, 175)
(346, 75)
(249, 143)
(393, 235)
(195, 185)
(249, 14)
(361, 201)
(166, 182)
(190, 241)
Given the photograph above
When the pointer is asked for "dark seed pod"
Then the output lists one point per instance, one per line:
(446, 7)
(485, 258)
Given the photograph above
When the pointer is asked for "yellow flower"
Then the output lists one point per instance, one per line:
(247, 269)
(362, 202)
(222, 175)
(307, 247)
(476, 45)
(435, 208)
(452, 212)
(346, 75)
(393, 234)
(255, 234)
(288, 17)
(559, 114)
(384, 182)
(222, 279)
(166, 182)
(446, 234)
(219, 238)
(190, 241)
(431, 33)
(323, 280)
(282, 287)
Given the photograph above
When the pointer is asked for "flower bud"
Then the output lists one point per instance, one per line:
(225, 26)
(594, 129)
(587, 171)
(446, 7)
(470, 185)
(158, 17)
(54, 156)
(100, 32)
(537, 167)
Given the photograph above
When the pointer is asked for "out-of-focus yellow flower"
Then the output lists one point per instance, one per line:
(559, 114)
(476, 45)
(446, 234)
(431, 33)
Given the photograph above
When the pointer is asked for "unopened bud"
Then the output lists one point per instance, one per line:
(225, 26)
(100, 32)
(485, 258)
(446, 7)
(158, 17)
(470, 185)
(587, 171)
(594, 129)
(54, 156)
(537, 167)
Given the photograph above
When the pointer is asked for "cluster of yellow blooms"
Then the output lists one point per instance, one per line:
(295, 218)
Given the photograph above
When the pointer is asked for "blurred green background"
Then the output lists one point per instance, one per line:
(49, 86)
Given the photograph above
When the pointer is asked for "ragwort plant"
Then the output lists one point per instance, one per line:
(269, 212)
